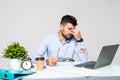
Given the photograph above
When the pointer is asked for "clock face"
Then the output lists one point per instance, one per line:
(26, 64)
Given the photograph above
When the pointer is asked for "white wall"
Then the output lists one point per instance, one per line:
(29, 21)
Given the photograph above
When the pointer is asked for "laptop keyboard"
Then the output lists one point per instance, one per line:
(90, 64)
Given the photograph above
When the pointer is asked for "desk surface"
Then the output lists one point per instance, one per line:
(65, 70)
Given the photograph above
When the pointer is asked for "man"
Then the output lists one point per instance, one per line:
(62, 45)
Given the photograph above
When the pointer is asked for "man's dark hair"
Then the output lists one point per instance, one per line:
(69, 19)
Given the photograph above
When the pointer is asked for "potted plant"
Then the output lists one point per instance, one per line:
(15, 52)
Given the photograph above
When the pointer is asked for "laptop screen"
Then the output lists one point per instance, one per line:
(106, 55)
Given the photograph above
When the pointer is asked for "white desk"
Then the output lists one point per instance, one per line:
(66, 71)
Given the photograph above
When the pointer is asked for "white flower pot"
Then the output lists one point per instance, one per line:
(15, 64)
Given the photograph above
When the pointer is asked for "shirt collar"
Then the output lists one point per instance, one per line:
(60, 39)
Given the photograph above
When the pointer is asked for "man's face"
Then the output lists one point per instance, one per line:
(66, 30)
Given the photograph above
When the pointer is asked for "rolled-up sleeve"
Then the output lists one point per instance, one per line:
(83, 56)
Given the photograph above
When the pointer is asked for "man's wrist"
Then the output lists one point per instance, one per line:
(81, 40)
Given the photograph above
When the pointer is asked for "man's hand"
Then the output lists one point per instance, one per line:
(76, 34)
(52, 61)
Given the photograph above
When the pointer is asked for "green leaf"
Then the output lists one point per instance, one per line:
(14, 50)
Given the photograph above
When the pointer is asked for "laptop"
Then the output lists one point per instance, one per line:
(105, 58)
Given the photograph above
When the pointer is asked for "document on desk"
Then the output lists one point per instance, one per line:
(81, 72)
(10, 74)
(70, 70)
(85, 72)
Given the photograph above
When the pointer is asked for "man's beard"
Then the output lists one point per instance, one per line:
(66, 36)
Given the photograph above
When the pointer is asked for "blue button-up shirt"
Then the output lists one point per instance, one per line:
(53, 46)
